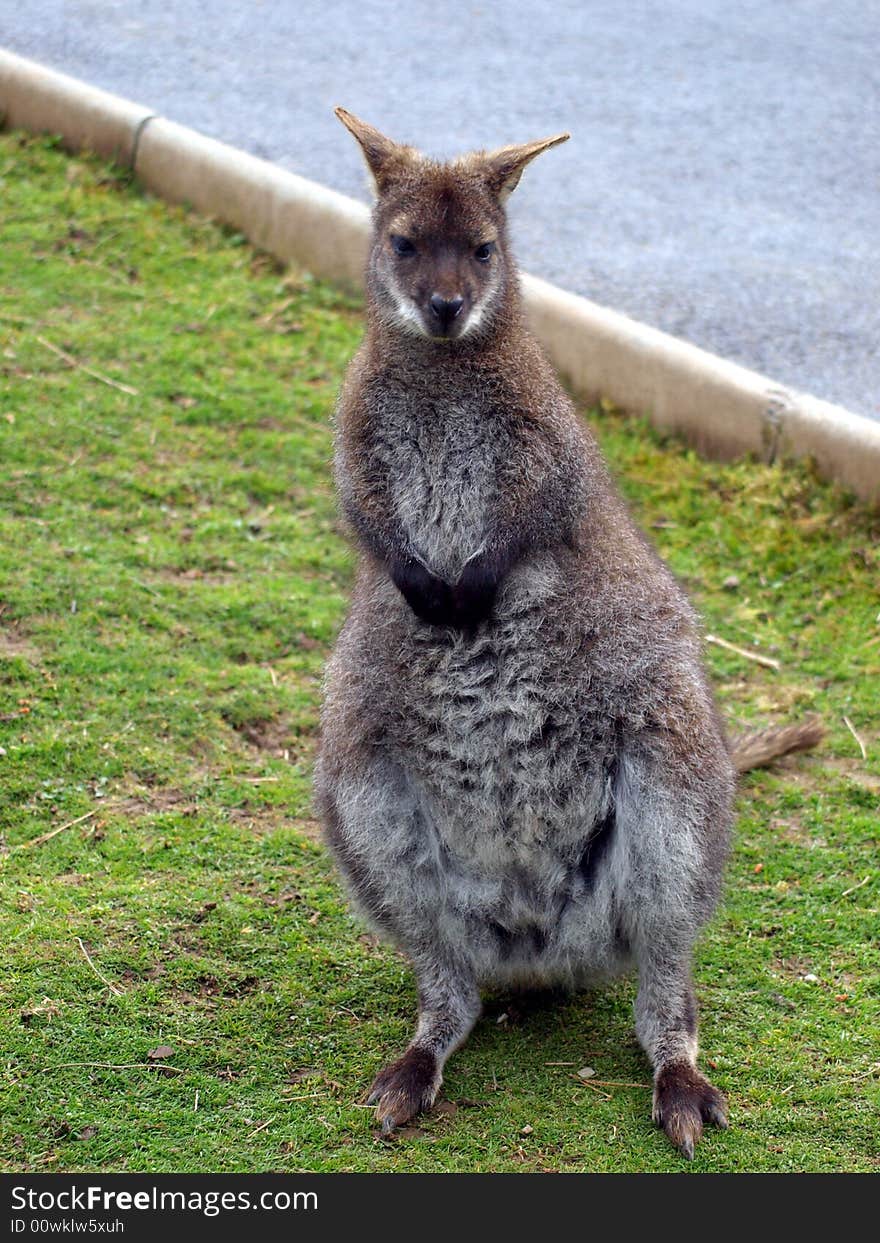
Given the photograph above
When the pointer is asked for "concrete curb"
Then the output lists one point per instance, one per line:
(292, 218)
(723, 409)
(38, 99)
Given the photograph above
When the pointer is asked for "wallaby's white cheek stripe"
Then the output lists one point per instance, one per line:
(407, 316)
(479, 309)
(411, 320)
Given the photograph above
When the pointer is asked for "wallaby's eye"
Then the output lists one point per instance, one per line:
(484, 253)
(402, 246)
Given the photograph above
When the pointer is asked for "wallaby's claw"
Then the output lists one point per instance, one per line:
(683, 1101)
(405, 1088)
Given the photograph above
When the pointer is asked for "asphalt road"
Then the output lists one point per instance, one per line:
(723, 178)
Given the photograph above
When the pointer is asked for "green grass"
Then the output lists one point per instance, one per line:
(172, 578)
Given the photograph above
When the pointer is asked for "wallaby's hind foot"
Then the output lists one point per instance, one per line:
(449, 1003)
(407, 1087)
(666, 1025)
(683, 1101)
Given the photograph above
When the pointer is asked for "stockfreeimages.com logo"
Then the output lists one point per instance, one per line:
(92, 1199)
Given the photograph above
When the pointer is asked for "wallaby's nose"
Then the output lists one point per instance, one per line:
(445, 309)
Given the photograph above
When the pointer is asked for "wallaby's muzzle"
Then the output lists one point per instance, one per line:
(445, 315)
(444, 312)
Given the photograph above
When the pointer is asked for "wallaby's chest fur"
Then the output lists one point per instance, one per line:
(439, 452)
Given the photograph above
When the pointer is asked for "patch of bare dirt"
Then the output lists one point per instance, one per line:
(794, 968)
(269, 898)
(212, 990)
(854, 769)
(150, 801)
(186, 943)
(133, 975)
(792, 830)
(260, 820)
(213, 986)
(810, 769)
(15, 644)
(220, 577)
(269, 735)
(308, 828)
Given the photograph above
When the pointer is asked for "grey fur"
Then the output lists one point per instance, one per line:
(545, 797)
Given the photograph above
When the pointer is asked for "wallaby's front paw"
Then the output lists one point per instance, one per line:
(683, 1101)
(429, 597)
(475, 591)
(405, 1088)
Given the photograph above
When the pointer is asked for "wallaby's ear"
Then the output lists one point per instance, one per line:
(384, 157)
(505, 166)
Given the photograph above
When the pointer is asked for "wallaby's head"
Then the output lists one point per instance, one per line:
(439, 264)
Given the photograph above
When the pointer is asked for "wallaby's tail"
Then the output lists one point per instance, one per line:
(764, 745)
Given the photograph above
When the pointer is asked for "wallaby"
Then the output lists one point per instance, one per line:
(522, 775)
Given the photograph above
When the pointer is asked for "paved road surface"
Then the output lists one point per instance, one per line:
(723, 178)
